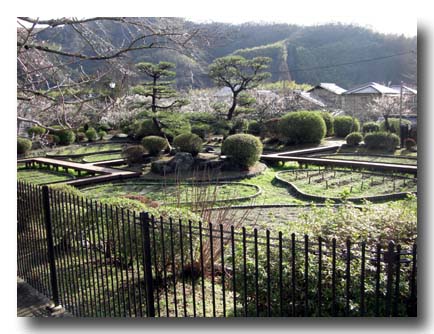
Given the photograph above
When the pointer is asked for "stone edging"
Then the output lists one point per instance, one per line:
(302, 195)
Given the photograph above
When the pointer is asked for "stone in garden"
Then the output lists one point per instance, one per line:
(209, 149)
(182, 161)
(161, 167)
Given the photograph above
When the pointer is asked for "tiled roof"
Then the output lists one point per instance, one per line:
(332, 87)
(307, 96)
(405, 89)
(371, 88)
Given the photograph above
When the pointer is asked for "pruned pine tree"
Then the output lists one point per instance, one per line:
(238, 74)
(159, 88)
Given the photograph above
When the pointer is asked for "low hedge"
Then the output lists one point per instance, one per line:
(394, 124)
(381, 141)
(302, 127)
(101, 134)
(344, 125)
(370, 127)
(329, 122)
(154, 144)
(242, 150)
(188, 142)
(91, 134)
(23, 145)
(354, 138)
(80, 136)
(36, 131)
(66, 136)
(133, 154)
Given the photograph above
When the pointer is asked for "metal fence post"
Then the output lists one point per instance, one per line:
(50, 246)
(147, 263)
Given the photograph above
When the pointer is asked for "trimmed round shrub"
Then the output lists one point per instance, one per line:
(23, 145)
(80, 136)
(381, 141)
(370, 127)
(66, 137)
(133, 154)
(103, 127)
(188, 142)
(302, 127)
(344, 125)
(154, 144)
(354, 138)
(101, 134)
(202, 130)
(242, 150)
(255, 128)
(394, 124)
(144, 129)
(329, 122)
(91, 134)
(409, 143)
(36, 131)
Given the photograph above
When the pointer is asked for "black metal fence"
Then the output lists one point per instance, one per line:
(102, 261)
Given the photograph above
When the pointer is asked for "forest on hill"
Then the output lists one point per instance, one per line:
(344, 54)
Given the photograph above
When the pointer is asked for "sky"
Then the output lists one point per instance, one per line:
(395, 17)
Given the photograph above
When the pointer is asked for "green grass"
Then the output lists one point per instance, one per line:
(171, 194)
(37, 176)
(272, 191)
(102, 157)
(81, 149)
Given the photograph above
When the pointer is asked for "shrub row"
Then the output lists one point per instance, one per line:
(381, 140)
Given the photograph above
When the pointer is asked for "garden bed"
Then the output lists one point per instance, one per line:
(338, 185)
(174, 194)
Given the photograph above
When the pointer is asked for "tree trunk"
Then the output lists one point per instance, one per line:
(160, 130)
(232, 109)
(154, 97)
(386, 122)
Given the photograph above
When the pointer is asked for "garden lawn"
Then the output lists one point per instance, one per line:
(171, 194)
(41, 176)
(82, 149)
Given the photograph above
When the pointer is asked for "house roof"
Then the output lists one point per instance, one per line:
(307, 96)
(332, 87)
(405, 89)
(371, 88)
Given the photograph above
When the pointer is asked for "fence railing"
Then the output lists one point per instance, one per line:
(98, 260)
